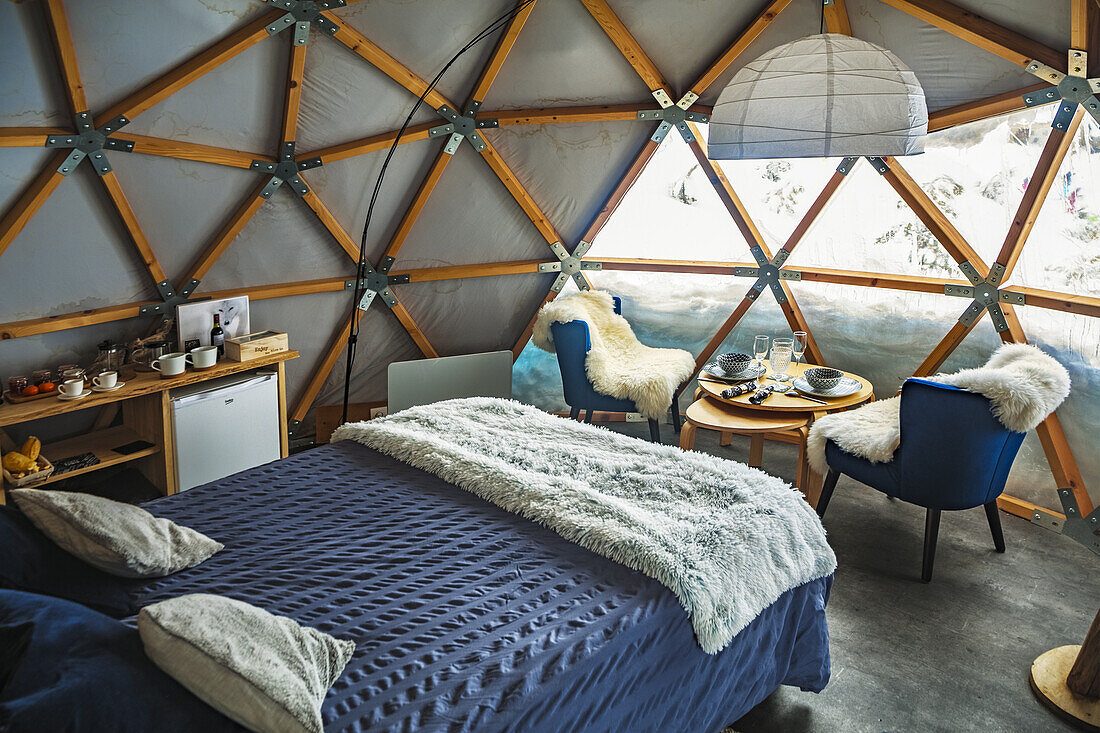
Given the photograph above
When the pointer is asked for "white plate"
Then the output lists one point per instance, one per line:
(846, 386)
(754, 370)
(118, 385)
(67, 398)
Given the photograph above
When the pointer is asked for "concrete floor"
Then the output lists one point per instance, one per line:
(952, 655)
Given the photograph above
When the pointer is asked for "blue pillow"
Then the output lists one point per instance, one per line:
(65, 667)
(32, 562)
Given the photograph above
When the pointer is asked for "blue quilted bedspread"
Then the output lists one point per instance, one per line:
(468, 618)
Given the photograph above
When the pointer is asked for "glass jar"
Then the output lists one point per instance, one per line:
(38, 376)
(59, 372)
(17, 384)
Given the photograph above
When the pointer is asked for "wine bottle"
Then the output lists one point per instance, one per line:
(217, 335)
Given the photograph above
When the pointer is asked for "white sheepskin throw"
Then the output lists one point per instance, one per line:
(727, 539)
(1023, 385)
(618, 364)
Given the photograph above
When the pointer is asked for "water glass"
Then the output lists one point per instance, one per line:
(760, 348)
(782, 350)
(800, 342)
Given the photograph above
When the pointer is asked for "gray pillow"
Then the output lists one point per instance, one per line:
(117, 538)
(266, 672)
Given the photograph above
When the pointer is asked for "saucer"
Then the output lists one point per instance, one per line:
(109, 389)
(846, 386)
(753, 371)
(67, 398)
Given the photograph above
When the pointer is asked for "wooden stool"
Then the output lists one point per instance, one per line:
(726, 419)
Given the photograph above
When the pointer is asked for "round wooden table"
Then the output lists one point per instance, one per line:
(785, 417)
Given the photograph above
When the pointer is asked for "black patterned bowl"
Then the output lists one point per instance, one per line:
(734, 363)
(823, 378)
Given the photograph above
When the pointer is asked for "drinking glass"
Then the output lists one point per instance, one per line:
(781, 358)
(799, 346)
(760, 349)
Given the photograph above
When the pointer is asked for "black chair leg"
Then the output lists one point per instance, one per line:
(994, 517)
(827, 492)
(931, 531)
(655, 431)
(676, 412)
(574, 413)
(588, 416)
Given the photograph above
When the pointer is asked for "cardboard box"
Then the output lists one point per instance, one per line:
(255, 345)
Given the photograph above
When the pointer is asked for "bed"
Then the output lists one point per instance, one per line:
(467, 617)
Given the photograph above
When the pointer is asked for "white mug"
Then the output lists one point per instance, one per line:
(170, 365)
(203, 357)
(105, 380)
(71, 387)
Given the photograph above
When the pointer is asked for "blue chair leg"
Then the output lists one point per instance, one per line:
(827, 492)
(931, 532)
(654, 431)
(994, 517)
(588, 416)
(574, 413)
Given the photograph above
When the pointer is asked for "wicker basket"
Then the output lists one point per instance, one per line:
(46, 468)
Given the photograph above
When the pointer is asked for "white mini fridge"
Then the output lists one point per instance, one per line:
(224, 426)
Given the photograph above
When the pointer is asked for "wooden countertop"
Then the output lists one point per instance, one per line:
(143, 383)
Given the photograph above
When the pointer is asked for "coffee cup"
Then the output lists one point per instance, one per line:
(105, 380)
(170, 365)
(203, 357)
(72, 387)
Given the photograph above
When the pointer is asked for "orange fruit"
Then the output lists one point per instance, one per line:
(46, 387)
(30, 391)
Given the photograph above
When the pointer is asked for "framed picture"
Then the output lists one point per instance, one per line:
(194, 320)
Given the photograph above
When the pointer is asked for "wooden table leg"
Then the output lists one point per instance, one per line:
(687, 436)
(756, 450)
(725, 439)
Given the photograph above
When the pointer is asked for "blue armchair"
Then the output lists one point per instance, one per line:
(572, 342)
(954, 454)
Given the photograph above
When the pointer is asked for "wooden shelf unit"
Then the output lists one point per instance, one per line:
(145, 406)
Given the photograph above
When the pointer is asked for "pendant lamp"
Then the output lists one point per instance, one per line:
(821, 96)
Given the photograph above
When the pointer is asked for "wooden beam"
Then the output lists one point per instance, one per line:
(743, 41)
(320, 374)
(568, 115)
(1046, 170)
(627, 45)
(981, 109)
(371, 144)
(418, 203)
(500, 54)
(984, 34)
(944, 348)
(716, 341)
(388, 65)
(933, 219)
(1062, 463)
(458, 272)
(1085, 305)
(44, 184)
(317, 206)
(66, 57)
(1079, 24)
(836, 18)
(811, 215)
(192, 151)
(414, 331)
(28, 137)
(519, 193)
(194, 68)
(1023, 508)
(129, 220)
(525, 336)
(907, 283)
(626, 182)
(285, 290)
(690, 267)
(227, 234)
(295, 75)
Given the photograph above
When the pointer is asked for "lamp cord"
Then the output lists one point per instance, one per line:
(353, 333)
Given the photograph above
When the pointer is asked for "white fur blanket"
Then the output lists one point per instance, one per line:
(618, 364)
(1023, 385)
(727, 539)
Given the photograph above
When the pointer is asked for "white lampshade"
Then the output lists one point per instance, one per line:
(820, 96)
